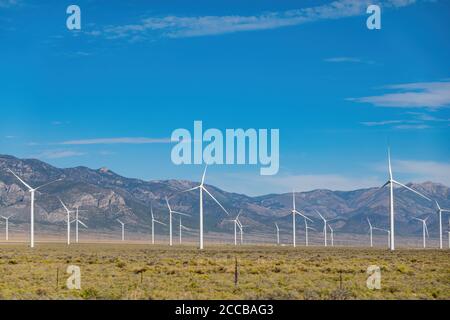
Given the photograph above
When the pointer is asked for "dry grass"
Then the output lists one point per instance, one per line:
(144, 272)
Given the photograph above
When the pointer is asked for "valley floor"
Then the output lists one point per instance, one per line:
(133, 271)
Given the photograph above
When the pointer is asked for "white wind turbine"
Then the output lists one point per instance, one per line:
(278, 233)
(202, 188)
(424, 230)
(153, 225)
(6, 227)
(307, 228)
(440, 211)
(171, 212)
(294, 213)
(325, 223)
(388, 233)
(67, 220)
(78, 221)
(371, 233)
(332, 235)
(32, 194)
(391, 183)
(237, 224)
(181, 229)
(123, 229)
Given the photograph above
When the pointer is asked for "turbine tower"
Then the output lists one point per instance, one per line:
(32, 194)
(278, 233)
(294, 213)
(6, 227)
(171, 212)
(153, 225)
(123, 229)
(237, 224)
(77, 222)
(202, 189)
(424, 230)
(307, 228)
(391, 182)
(371, 233)
(67, 220)
(324, 228)
(440, 211)
(181, 229)
(388, 233)
(332, 235)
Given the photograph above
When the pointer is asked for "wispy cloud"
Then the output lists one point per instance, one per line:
(419, 121)
(348, 60)
(59, 154)
(8, 3)
(412, 95)
(196, 26)
(420, 171)
(255, 185)
(116, 141)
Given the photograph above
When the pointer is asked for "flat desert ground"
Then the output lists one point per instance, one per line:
(143, 271)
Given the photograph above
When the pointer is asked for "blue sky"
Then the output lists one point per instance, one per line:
(338, 92)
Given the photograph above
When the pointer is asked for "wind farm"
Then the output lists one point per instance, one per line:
(273, 244)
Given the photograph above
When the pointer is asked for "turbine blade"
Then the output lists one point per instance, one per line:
(168, 205)
(426, 230)
(181, 214)
(412, 190)
(68, 211)
(44, 185)
(206, 190)
(163, 224)
(83, 224)
(320, 215)
(24, 183)
(204, 176)
(240, 212)
(192, 189)
(386, 184)
(369, 223)
(390, 164)
(437, 204)
(302, 215)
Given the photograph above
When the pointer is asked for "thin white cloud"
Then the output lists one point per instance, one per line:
(116, 141)
(420, 171)
(255, 185)
(348, 60)
(59, 154)
(196, 26)
(8, 3)
(412, 95)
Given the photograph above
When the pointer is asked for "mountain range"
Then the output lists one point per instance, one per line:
(106, 196)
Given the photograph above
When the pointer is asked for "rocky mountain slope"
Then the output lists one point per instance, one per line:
(107, 196)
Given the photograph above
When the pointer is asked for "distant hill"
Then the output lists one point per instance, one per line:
(107, 196)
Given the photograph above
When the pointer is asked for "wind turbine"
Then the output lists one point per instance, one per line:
(332, 235)
(388, 233)
(153, 225)
(171, 212)
(68, 220)
(440, 211)
(278, 233)
(181, 229)
(424, 230)
(123, 229)
(324, 227)
(7, 227)
(294, 213)
(371, 233)
(202, 188)
(237, 224)
(32, 194)
(78, 221)
(391, 183)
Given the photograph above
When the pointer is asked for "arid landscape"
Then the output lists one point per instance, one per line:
(138, 271)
